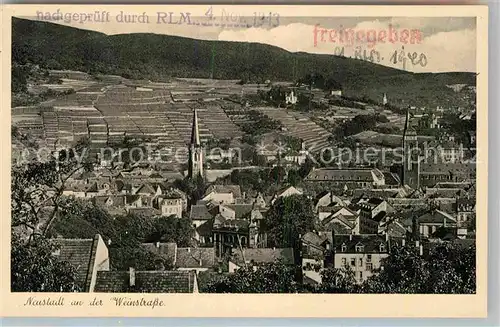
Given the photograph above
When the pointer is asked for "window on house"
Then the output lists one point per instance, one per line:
(344, 262)
(382, 247)
(369, 258)
(344, 248)
(369, 266)
(360, 248)
(361, 262)
(360, 275)
(353, 262)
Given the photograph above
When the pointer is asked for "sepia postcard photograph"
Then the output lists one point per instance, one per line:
(270, 160)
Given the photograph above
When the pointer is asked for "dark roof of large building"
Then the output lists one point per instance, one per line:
(195, 257)
(436, 216)
(240, 210)
(264, 255)
(165, 250)
(200, 212)
(221, 223)
(146, 282)
(358, 175)
(313, 238)
(382, 193)
(370, 243)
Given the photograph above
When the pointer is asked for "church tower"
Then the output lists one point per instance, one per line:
(195, 168)
(411, 159)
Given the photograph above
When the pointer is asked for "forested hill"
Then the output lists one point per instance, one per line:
(157, 57)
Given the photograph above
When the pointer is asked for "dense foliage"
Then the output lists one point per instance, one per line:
(447, 269)
(258, 123)
(269, 278)
(124, 233)
(287, 219)
(37, 186)
(358, 124)
(35, 269)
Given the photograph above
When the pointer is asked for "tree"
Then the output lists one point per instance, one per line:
(171, 229)
(403, 272)
(332, 85)
(277, 175)
(471, 223)
(293, 177)
(35, 269)
(287, 219)
(447, 269)
(335, 280)
(306, 167)
(37, 187)
(193, 187)
(274, 277)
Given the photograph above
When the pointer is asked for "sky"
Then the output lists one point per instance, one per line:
(441, 44)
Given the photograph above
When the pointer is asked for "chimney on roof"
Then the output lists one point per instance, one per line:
(131, 272)
(417, 243)
(350, 237)
(189, 250)
(403, 242)
(421, 250)
(387, 237)
(157, 244)
(201, 262)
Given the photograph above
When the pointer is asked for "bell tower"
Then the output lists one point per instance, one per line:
(411, 158)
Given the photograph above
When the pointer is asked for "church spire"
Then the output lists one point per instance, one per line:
(407, 121)
(195, 168)
(195, 132)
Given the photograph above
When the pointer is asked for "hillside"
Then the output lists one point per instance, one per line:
(158, 57)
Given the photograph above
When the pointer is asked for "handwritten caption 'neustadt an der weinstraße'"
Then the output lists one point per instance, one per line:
(122, 301)
(211, 18)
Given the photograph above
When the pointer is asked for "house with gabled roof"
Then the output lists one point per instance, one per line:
(327, 212)
(432, 221)
(327, 199)
(286, 191)
(363, 254)
(87, 256)
(224, 194)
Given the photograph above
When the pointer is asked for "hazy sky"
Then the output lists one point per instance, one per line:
(449, 44)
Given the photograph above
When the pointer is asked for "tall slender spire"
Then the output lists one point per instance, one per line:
(195, 133)
(407, 121)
